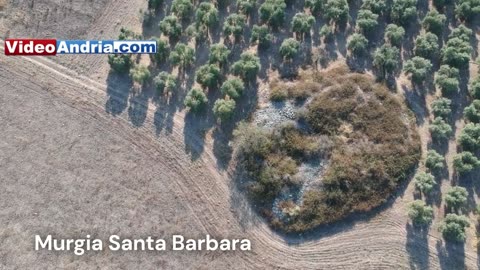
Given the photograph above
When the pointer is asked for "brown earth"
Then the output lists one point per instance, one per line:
(69, 168)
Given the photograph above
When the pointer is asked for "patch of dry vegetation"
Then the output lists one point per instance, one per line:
(365, 132)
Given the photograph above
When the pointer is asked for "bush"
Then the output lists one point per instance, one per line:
(386, 59)
(440, 130)
(420, 213)
(424, 182)
(394, 34)
(182, 55)
(208, 75)
(140, 74)
(182, 8)
(195, 100)
(434, 22)
(357, 44)
(302, 23)
(474, 88)
(418, 67)
(219, 54)
(233, 88)
(447, 79)
(472, 112)
(315, 6)
(470, 137)
(165, 81)
(247, 67)
(462, 32)
(289, 48)
(426, 45)
(441, 107)
(367, 20)
(456, 197)
(403, 11)
(234, 25)
(434, 161)
(224, 108)
(206, 15)
(119, 62)
(273, 12)
(453, 227)
(465, 162)
(261, 34)
(171, 27)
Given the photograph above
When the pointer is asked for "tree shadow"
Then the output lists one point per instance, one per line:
(137, 111)
(417, 104)
(118, 90)
(417, 246)
(451, 255)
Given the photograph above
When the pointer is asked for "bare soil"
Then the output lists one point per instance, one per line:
(69, 167)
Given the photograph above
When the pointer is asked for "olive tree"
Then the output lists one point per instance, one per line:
(472, 112)
(261, 34)
(456, 52)
(420, 213)
(140, 74)
(224, 108)
(273, 12)
(462, 32)
(465, 162)
(357, 44)
(456, 197)
(440, 130)
(367, 20)
(120, 63)
(470, 137)
(247, 67)
(195, 100)
(336, 11)
(453, 227)
(289, 48)
(394, 34)
(163, 50)
(441, 107)
(302, 24)
(182, 8)
(182, 55)
(206, 15)
(171, 27)
(424, 182)
(246, 7)
(165, 81)
(386, 59)
(403, 11)
(467, 9)
(376, 6)
(208, 76)
(234, 25)
(447, 79)
(474, 88)
(434, 161)
(219, 54)
(434, 22)
(418, 67)
(315, 6)
(426, 45)
(233, 88)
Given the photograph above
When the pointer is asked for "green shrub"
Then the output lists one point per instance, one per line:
(418, 67)
(474, 88)
(367, 20)
(289, 48)
(219, 54)
(456, 197)
(233, 88)
(246, 7)
(302, 23)
(182, 55)
(472, 112)
(182, 8)
(386, 59)
(424, 182)
(434, 22)
(465, 162)
(171, 27)
(470, 137)
(195, 100)
(273, 12)
(234, 25)
(247, 67)
(376, 6)
(119, 62)
(208, 75)
(224, 108)
(357, 44)
(206, 15)
(403, 11)
(165, 81)
(440, 130)
(261, 34)
(447, 79)
(140, 74)
(426, 45)
(394, 34)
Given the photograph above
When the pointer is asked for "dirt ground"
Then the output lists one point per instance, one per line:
(69, 167)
